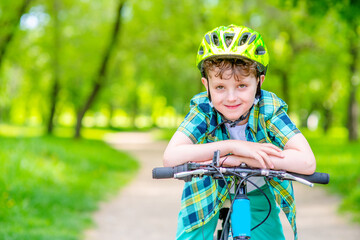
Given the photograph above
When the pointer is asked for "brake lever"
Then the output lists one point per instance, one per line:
(198, 172)
(300, 180)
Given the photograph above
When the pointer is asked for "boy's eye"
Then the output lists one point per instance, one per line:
(242, 86)
(220, 87)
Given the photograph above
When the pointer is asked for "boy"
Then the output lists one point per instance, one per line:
(247, 124)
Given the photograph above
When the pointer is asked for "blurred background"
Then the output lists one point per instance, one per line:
(79, 69)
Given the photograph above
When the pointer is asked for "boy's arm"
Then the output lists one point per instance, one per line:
(298, 156)
(182, 150)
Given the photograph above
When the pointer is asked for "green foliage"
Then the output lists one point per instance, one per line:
(336, 156)
(152, 72)
(49, 185)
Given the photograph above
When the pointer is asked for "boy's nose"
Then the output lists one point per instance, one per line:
(231, 96)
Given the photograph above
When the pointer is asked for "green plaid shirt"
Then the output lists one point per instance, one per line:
(268, 122)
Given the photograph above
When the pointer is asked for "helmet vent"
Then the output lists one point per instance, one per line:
(228, 38)
(244, 37)
(253, 37)
(260, 50)
(207, 38)
(201, 50)
(215, 39)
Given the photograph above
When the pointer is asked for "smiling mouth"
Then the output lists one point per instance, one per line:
(232, 106)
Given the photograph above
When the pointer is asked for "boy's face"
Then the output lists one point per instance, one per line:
(230, 97)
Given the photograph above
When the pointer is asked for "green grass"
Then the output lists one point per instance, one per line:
(60, 131)
(341, 159)
(36, 131)
(49, 186)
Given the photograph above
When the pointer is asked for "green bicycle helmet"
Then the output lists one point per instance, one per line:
(233, 42)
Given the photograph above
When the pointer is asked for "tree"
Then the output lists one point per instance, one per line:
(56, 84)
(353, 109)
(13, 23)
(348, 13)
(100, 78)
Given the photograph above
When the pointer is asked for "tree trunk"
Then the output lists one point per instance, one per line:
(101, 75)
(353, 112)
(135, 110)
(111, 115)
(10, 35)
(328, 119)
(285, 86)
(56, 83)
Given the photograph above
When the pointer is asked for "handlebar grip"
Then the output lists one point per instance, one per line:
(163, 172)
(317, 177)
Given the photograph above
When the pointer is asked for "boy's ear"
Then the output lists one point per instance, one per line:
(262, 79)
(205, 83)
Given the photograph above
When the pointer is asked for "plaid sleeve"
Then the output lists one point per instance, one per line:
(281, 128)
(194, 125)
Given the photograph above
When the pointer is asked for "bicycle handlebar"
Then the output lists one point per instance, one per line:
(187, 171)
(317, 177)
(167, 172)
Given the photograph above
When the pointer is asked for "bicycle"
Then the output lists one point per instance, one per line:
(236, 219)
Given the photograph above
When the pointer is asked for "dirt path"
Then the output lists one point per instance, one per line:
(147, 208)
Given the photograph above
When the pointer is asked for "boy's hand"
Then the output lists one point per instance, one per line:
(260, 152)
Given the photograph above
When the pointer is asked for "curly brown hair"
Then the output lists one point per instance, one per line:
(239, 67)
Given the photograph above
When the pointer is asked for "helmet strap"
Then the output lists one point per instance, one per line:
(232, 123)
(258, 89)
(208, 89)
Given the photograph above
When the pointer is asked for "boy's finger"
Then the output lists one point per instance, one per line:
(274, 147)
(267, 160)
(275, 153)
(260, 160)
